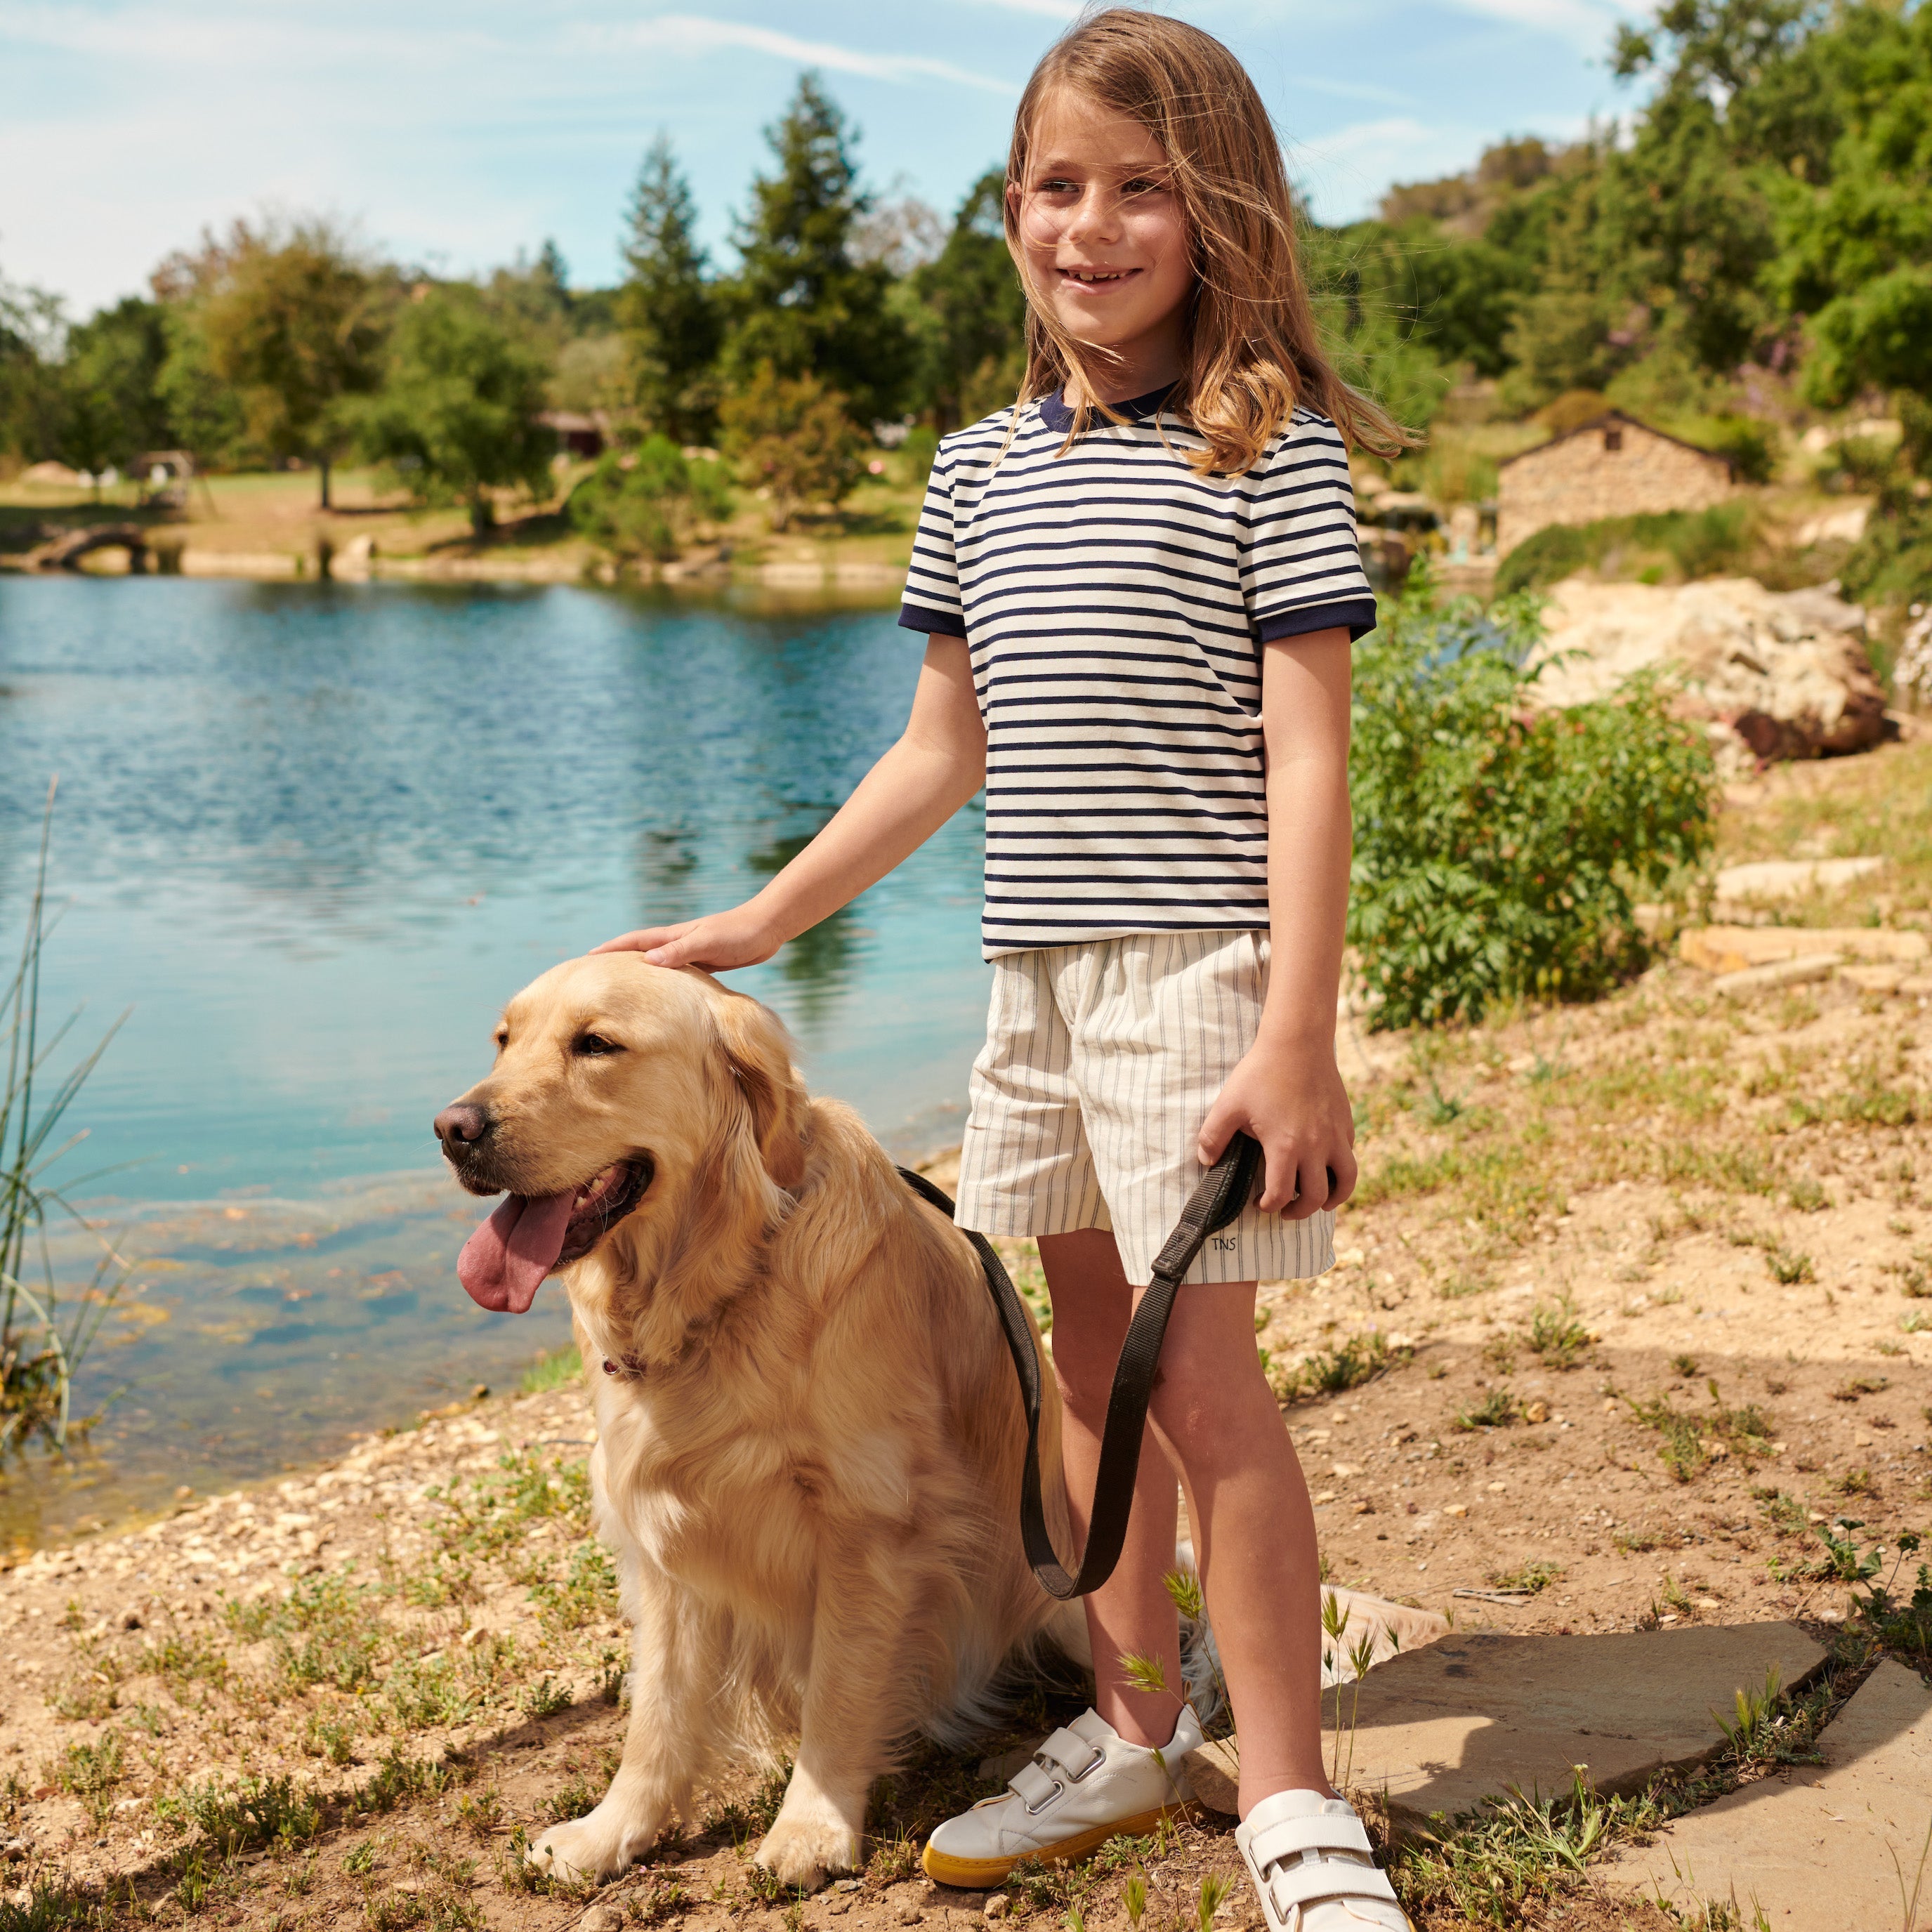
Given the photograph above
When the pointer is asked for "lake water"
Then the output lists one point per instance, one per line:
(310, 837)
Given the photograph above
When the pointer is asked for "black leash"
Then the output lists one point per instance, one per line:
(1223, 1193)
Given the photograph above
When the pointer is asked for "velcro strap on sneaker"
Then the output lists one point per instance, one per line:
(1071, 1752)
(1331, 1878)
(1034, 1786)
(1282, 1840)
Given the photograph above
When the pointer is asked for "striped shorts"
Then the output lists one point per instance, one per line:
(1101, 1062)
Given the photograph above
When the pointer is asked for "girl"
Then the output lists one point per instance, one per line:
(1139, 587)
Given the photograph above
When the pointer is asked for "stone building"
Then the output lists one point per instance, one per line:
(1612, 466)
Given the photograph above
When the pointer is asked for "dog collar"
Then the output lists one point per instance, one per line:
(624, 1368)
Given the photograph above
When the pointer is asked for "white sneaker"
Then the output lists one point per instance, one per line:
(1086, 1783)
(1312, 1864)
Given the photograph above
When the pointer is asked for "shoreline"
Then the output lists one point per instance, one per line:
(878, 582)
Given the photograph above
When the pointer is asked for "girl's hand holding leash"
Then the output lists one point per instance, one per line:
(1291, 1100)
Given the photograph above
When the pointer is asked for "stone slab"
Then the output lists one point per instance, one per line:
(1799, 972)
(1813, 1849)
(1730, 949)
(1444, 1728)
(1787, 878)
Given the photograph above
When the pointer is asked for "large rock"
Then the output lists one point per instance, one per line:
(1470, 1717)
(1784, 673)
(1812, 1849)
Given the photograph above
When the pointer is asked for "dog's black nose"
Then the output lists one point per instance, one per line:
(461, 1127)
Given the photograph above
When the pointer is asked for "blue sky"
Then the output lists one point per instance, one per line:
(453, 132)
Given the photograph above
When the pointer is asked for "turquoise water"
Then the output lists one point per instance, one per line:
(309, 838)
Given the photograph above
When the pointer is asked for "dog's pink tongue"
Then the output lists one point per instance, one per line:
(503, 1263)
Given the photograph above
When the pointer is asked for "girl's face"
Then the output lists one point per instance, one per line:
(1102, 241)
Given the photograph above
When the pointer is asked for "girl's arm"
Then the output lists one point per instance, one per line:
(1287, 1092)
(938, 764)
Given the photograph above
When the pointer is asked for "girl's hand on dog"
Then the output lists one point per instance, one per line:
(1294, 1103)
(717, 942)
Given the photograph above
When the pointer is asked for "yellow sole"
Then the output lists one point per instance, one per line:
(976, 1874)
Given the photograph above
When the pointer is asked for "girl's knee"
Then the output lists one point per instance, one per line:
(1210, 1417)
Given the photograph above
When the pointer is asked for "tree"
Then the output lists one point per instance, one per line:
(666, 308)
(799, 301)
(794, 437)
(110, 379)
(1856, 253)
(295, 319)
(31, 330)
(975, 348)
(457, 412)
(205, 414)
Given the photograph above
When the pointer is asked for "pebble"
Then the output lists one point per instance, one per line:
(602, 1919)
(998, 1906)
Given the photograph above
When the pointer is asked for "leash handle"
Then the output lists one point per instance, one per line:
(1223, 1192)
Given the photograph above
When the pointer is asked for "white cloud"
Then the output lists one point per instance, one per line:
(1048, 9)
(1586, 23)
(699, 33)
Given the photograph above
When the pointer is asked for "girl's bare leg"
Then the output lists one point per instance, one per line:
(1131, 1614)
(1254, 1528)
(1254, 1534)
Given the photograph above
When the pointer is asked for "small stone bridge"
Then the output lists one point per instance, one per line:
(65, 551)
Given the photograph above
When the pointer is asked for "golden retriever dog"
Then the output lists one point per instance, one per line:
(808, 1435)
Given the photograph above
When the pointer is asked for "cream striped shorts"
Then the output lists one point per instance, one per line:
(1101, 1062)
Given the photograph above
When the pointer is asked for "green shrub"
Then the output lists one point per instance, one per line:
(1697, 543)
(1892, 561)
(1751, 445)
(1498, 846)
(643, 503)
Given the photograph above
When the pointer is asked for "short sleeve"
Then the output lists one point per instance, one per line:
(1301, 561)
(932, 579)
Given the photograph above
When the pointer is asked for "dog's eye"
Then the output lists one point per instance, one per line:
(502, 1038)
(594, 1045)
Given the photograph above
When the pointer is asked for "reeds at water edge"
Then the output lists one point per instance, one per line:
(40, 1348)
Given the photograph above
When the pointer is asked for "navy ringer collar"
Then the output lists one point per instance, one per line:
(1055, 414)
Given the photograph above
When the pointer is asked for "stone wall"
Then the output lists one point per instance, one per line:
(1579, 478)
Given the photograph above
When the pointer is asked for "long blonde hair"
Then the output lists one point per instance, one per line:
(1254, 348)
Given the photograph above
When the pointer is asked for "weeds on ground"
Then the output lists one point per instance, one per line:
(1692, 1442)
(554, 1369)
(1901, 1625)
(1497, 1867)
(238, 1818)
(1556, 1334)
(1360, 1358)
(1530, 1578)
(1497, 1410)
(91, 1771)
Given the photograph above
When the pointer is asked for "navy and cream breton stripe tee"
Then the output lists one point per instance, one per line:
(1115, 603)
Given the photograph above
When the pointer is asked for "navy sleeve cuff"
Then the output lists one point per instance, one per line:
(1358, 616)
(921, 617)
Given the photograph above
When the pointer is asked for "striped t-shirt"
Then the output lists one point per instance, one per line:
(1115, 603)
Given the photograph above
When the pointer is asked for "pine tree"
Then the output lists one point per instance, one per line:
(799, 302)
(667, 309)
(975, 350)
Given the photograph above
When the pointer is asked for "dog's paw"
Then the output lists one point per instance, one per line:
(592, 1848)
(805, 1852)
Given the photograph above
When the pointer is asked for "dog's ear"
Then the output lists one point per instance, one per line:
(759, 1050)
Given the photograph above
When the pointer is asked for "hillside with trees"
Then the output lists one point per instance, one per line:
(1744, 256)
